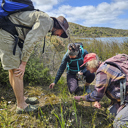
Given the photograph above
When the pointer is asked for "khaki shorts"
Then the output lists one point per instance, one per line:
(8, 60)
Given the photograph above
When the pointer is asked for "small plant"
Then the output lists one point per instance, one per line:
(5, 119)
(35, 73)
(75, 111)
(60, 118)
(4, 76)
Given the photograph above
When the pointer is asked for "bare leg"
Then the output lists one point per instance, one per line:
(17, 85)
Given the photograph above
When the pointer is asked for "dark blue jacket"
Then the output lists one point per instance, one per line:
(73, 65)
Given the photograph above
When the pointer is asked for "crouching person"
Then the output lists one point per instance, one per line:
(112, 80)
(72, 60)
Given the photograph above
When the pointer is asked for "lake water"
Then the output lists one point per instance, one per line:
(110, 39)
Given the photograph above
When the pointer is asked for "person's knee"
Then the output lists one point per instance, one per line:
(11, 71)
(12, 75)
(72, 84)
(72, 90)
(11, 80)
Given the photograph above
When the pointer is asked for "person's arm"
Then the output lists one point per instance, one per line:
(60, 70)
(84, 70)
(96, 95)
(41, 26)
(100, 88)
(99, 91)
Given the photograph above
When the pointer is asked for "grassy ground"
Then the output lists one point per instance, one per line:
(57, 109)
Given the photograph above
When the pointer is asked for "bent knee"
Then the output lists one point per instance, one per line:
(72, 90)
(10, 71)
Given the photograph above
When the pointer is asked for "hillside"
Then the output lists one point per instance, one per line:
(82, 31)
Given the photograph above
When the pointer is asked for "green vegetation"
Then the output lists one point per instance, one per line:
(106, 50)
(54, 111)
(57, 108)
(35, 72)
(81, 31)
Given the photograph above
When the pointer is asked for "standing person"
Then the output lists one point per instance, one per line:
(112, 80)
(72, 60)
(40, 24)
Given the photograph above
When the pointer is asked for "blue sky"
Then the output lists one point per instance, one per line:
(89, 13)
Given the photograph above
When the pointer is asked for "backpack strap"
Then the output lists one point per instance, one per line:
(122, 91)
(82, 52)
(78, 66)
(43, 45)
(8, 26)
(22, 26)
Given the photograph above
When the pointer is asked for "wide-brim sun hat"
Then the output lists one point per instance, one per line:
(64, 25)
(89, 57)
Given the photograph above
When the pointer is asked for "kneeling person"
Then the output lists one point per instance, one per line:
(72, 60)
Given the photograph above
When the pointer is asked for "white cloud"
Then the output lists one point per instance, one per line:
(120, 5)
(104, 13)
(108, 14)
(120, 0)
(45, 5)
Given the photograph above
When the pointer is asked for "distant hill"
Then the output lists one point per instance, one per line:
(82, 31)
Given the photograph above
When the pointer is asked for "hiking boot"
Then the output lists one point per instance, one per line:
(28, 109)
(32, 100)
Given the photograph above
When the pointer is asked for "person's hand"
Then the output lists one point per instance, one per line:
(79, 98)
(97, 105)
(80, 73)
(51, 85)
(19, 72)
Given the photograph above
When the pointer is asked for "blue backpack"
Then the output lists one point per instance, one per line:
(9, 7)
